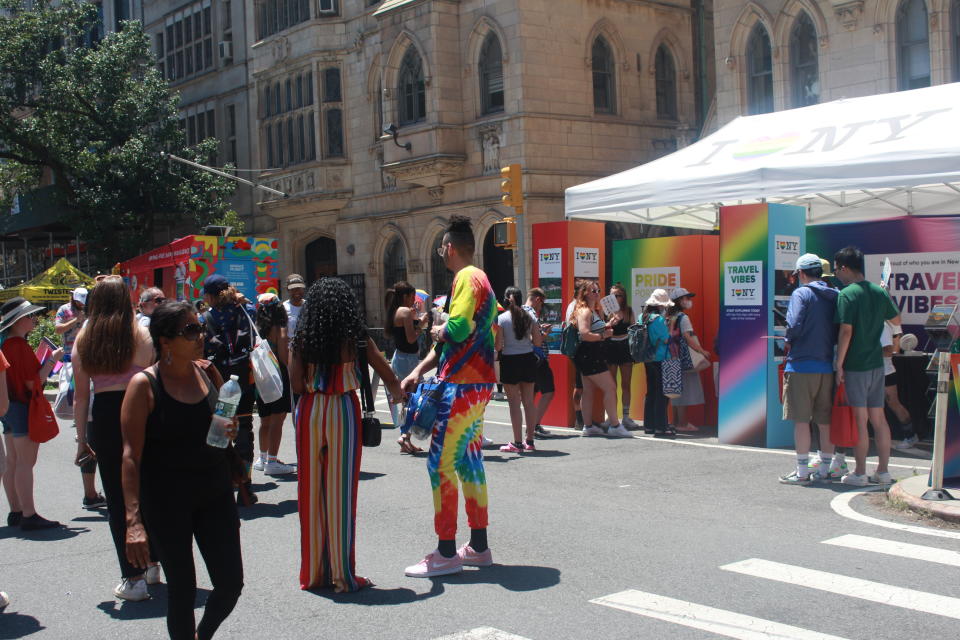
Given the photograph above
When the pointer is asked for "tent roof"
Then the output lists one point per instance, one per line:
(53, 285)
(880, 156)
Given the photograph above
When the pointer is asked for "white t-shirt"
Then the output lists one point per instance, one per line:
(293, 313)
(886, 340)
(512, 346)
(568, 316)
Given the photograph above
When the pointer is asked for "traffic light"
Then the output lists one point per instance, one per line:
(512, 187)
(505, 233)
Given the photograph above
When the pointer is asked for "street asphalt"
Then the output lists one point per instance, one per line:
(592, 537)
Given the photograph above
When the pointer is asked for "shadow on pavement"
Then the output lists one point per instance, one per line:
(42, 535)
(515, 577)
(17, 625)
(370, 475)
(266, 486)
(97, 516)
(376, 597)
(542, 453)
(155, 607)
(267, 510)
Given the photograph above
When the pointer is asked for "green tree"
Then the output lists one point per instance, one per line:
(97, 115)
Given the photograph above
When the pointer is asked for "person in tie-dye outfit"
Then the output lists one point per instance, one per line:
(464, 357)
(323, 370)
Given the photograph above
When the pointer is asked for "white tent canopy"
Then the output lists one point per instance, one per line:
(868, 158)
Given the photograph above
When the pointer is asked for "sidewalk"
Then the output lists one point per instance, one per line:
(910, 491)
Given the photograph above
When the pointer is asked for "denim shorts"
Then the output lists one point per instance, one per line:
(864, 388)
(16, 422)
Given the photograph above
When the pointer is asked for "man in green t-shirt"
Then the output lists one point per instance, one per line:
(862, 308)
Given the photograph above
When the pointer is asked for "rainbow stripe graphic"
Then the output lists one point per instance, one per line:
(951, 454)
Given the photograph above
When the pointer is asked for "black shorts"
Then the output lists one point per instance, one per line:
(544, 380)
(589, 359)
(890, 380)
(518, 368)
(277, 406)
(617, 352)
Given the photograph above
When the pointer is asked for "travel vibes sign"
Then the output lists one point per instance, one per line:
(743, 283)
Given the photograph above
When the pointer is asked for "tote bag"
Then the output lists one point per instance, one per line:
(63, 405)
(42, 423)
(266, 368)
(843, 426)
(672, 378)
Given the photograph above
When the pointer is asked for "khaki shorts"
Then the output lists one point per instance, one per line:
(808, 397)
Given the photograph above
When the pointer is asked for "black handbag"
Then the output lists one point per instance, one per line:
(370, 430)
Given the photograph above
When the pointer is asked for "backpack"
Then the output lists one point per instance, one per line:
(642, 348)
(570, 340)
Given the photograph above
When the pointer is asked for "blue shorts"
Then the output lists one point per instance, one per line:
(16, 422)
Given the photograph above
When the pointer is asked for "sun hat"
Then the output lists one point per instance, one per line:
(214, 284)
(14, 309)
(80, 295)
(807, 261)
(659, 298)
(679, 292)
(295, 281)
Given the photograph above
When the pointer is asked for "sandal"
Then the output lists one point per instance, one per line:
(408, 447)
(688, 427)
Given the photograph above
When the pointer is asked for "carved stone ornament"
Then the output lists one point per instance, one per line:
(848, 12)
(490, 142)
(415, 265)
(431, 171)
(281, 48)
(436, 194)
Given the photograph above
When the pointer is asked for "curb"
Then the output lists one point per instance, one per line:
(945, 511)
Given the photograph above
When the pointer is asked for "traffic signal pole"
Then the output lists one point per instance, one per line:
(512, 188)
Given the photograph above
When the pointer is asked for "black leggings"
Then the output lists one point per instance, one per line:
(655, 403)
(107, 443)
(215, 525)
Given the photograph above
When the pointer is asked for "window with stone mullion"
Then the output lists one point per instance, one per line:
(805, 70)
(411, 89)
(186, 45)
(287, 112)
(666, 84)
(913, 45)
(274, 16)
(604, 95)
(491, 75)
(759, 72)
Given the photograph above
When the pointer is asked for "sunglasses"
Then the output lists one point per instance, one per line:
(158, 300)
(191, 331)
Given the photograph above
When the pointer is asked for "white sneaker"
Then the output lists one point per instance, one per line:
(486, 442)
(258, 464)
(152, 574)
(855, 480)
(593, 431)
(630, 424)
(132, 590)
(906, 443)
(277, 468)
(618, 431)
(881, 478)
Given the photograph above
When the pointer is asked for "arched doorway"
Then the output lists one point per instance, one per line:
(394, 263)
(498, 264)
(320, 259)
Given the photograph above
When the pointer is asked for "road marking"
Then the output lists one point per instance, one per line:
(482, 633)
(899, 549)
(698, 616)
(841, 505)
(848, 586)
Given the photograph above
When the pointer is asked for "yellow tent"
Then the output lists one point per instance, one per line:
(53, 285)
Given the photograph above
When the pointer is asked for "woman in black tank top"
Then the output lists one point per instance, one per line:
(618, 353)
(174, 483)
(402, 322)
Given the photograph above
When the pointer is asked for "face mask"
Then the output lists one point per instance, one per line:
(686, 304)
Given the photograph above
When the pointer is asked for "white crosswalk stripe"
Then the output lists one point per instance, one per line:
(848, 586)
(696, 616)
(898, 549)
(482, 633)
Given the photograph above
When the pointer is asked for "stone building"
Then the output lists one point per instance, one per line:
(782, 54)
(570, 89)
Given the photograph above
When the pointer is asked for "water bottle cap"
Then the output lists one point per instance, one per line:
(235, 378)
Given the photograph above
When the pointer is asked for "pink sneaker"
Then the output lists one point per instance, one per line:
(510, 448)
(529, 446)
(471, 558)
(434, 564)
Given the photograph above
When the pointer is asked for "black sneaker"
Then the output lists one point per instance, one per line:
(96, 502)
(36, 521)
(540, 432)
(14, 518)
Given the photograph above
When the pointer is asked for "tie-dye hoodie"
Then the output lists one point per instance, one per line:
(467, 353)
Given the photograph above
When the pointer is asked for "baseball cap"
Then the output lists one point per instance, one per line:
(808, 261)
(214, 284)
(295, 281)
(80, 295)
(679, 292)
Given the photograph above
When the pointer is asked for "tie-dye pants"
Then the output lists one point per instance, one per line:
(328, 469)
(455, 452)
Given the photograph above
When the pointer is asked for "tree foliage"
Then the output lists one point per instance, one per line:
(96, 116)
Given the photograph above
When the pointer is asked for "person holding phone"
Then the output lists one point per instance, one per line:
(618, 353)
(176, 487)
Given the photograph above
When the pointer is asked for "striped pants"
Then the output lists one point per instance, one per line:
(328, 468)
(455, 452)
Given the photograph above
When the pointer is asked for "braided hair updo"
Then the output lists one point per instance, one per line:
(330, 324)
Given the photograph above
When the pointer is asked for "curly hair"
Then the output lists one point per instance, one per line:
(329, 325)
(107, 342)
(269, 315)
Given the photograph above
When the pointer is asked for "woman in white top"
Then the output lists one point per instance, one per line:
(518, 334)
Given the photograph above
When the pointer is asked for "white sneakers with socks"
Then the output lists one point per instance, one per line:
(132, 590)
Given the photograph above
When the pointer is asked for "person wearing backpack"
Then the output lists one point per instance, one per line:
(681, 329)
(655, 403)
(228, 340)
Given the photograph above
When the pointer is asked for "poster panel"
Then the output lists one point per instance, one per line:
(644, 280)
(786, 251)
(586, 262)
(918, 281)
(743, 283)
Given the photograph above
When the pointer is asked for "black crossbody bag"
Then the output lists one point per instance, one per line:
(369, 425)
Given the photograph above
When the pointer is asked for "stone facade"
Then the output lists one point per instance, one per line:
(359, 201)
(858, 49)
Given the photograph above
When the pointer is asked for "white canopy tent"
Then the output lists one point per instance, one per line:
(868, 158)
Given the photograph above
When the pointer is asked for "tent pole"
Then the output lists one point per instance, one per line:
(26, 253)
(78, 251)
(3, 249)
(50, 244)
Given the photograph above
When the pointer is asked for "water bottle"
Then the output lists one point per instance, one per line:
(227, 402)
